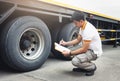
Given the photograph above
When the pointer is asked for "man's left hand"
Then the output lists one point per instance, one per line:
(66, 53)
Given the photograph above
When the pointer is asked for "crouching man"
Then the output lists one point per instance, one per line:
(91, 45)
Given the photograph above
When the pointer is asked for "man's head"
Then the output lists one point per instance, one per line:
(78, 18)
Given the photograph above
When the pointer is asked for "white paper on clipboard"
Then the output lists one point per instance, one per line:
(60, 48)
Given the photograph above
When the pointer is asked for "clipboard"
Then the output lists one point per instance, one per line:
(60, 48)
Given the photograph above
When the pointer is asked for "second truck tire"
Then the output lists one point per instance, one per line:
(68, 32)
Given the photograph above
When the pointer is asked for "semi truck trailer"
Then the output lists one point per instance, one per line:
(29, 28)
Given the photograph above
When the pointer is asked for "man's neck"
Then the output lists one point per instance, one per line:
(84, 25)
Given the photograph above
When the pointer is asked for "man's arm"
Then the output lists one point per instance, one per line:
(75, 41)
(83, 49)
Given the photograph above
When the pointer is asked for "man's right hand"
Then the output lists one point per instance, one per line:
(63, 43)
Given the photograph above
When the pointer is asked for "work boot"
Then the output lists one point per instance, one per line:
(91, 72)
(79, 70)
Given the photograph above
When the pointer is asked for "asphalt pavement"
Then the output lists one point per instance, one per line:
(58, 70)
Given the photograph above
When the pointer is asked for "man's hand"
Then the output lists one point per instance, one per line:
(63, 43)
(66, 53)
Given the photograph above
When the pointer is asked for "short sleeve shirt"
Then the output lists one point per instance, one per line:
(89, 33)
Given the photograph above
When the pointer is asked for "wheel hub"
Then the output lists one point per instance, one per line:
(31, 44)
(25, 42)
(25, 45)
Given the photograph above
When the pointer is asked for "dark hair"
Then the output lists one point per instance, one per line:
(78, 16)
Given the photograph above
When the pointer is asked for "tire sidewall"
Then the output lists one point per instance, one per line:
(67, 32)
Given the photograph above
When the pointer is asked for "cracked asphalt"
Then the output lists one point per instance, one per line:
(59, 70)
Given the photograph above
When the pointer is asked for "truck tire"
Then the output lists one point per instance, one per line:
(68, 32)
(25, 44)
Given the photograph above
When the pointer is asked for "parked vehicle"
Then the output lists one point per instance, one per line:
(29, 28)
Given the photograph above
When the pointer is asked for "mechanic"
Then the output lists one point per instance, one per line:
(91, 47)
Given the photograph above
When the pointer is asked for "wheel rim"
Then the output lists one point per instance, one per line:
(74, 34)
(31, 43)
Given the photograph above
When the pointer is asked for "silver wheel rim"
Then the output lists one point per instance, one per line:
(74, 34)
(31, 43)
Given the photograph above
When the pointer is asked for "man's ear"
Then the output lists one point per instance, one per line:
(81, 21)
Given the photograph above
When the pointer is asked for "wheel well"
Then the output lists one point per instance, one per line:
(50, 20)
